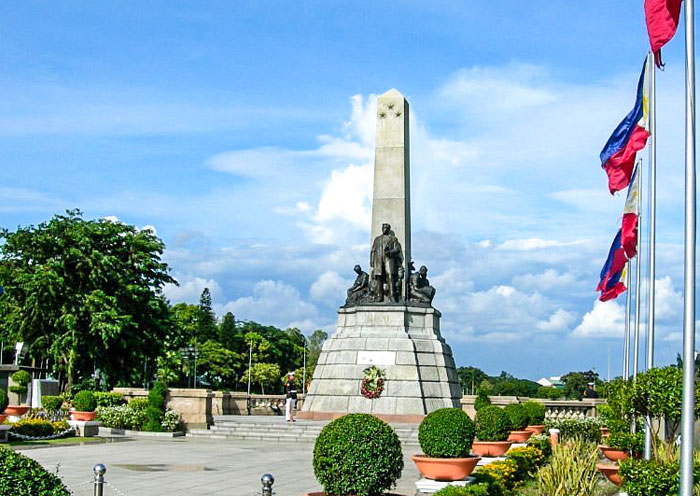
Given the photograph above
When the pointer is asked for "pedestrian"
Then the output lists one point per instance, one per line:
(290, 402)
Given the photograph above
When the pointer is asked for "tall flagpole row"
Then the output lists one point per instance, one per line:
(638, 277)
(687, 417)
(628, 314)
(652, 235)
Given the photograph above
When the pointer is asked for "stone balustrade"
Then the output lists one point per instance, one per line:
(198, 406)
(555, 409)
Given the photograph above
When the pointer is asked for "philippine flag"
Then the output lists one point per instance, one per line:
(662, 22)
(610, 285)
(630, 136)
(630, 217)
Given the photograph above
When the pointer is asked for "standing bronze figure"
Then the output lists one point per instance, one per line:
(385, 259)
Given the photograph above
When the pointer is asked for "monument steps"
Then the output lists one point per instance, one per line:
(275, 429)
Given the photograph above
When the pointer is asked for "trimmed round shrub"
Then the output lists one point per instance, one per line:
(357, 454)
(22, 476)
(156, 408)
(84, 401)
(481, 400)
(492, 424)
(109, 399)
(3, 400)
(51, 403)
(535, 412)
(446, 433)
(21, 378)
(517, 415)
(138, 404)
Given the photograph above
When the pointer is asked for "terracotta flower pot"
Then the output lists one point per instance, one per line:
(490, 448)
(612, 454)
(16, 410)
(519, 436)
(445, 469)
(535, 429)
(611, 472)
(87, 416)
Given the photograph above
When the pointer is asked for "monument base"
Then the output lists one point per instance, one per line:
(402, 340)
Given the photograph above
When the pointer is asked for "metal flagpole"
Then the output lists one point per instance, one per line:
(628, 314)
(638, 277)
(652, 235)
(687, 415)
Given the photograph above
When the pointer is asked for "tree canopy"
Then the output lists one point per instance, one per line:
(85, 294)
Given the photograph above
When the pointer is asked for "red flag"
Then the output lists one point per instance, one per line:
(662, 22)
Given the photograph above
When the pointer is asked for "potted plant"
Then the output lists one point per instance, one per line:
(357, 454)
(618, 415)
(535, 416)
(84, 403)
(492, 429)
(20, 379)
(518, 421)
(446, 436)
(3, 404)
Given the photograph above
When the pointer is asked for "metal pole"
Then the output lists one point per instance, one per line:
(628, 313)
(267, 481)
(195, 364)
(303, 383)
(638, 277)
(250, 365)
(99, 471)
(687, 415)
(651, 68)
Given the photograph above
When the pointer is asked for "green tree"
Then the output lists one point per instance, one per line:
(219, 365)
(470, 378)
(314, 343)
(265, 374)
(206, 318)
(86, 294)
(575, 383)
(227, 331)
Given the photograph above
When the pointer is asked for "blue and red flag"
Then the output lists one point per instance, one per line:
(630, 136)
(610, 285)
(662, 22)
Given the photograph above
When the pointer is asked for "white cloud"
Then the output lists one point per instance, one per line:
(329, 288)
(275, 303)
(606, 320)
(548, 280)
(533, 244)
(560, 320)
(190, 289)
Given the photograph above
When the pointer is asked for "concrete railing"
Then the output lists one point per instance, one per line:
(554, 408)
(199, 406)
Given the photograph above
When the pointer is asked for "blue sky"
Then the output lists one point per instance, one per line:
(243, 132)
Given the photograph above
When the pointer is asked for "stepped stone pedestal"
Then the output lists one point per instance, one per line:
(404, 341)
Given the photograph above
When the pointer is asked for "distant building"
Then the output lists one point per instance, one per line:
(554, 382)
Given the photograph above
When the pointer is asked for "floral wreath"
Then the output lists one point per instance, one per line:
(372, 383)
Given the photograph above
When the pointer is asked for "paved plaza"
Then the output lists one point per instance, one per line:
(187, 467)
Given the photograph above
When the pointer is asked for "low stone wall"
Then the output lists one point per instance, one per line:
(199, 406)
(554, 408)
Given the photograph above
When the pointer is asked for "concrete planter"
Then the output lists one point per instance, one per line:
(84, 416)
(491, 448)
(109, 431)
(535, 429)
(611, 472)
(445, 469)
(16, 410)
(612, 454)
(519, 436)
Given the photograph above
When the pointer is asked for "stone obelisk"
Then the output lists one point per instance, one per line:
(392, 171)
(401, 334)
